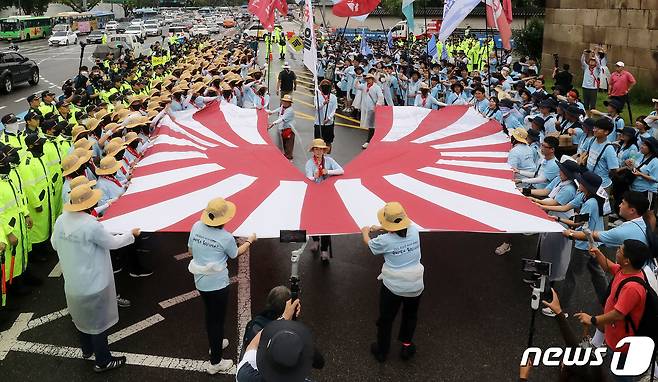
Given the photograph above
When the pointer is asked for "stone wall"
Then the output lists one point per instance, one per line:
(628, 29)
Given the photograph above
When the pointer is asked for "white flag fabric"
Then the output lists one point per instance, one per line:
(454, 12)
(310, 50)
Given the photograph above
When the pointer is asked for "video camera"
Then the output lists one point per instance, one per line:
(294, 236)
(539, 271)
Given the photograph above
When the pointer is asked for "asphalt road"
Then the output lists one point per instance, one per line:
(473, 320)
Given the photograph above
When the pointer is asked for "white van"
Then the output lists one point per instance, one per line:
(128, 41)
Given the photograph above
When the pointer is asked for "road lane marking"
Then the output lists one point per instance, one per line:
(134, 328)
(2, 107)
(184, 255)
(168, 303)
(47, 318)
(9, 338)
(19, 100)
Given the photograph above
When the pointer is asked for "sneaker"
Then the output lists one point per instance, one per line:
(324, 256)
(379, 356)
(503, 249)
(141, 272)
(114, 363)
(87, 355)
(407, 352)
(123, 302)
(549, 313)
(364, 146)
(223, 366)
(117, 270)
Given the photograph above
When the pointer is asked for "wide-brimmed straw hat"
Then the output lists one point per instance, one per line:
(71, 163)
(108, 166)
(218, 212)
(84, 143)
(82, 198)
(80, 180)
(112, 148)
(319, 143)
(131, 136)
(83, 154)
(77, 130)
(286, 98)
(520, 134)
(393, 217)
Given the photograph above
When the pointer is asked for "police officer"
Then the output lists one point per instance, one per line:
(54, 159)
(47, 104)
(40, 197)
(33, 123)
(12, 136)
(64, 112)
(34, 101)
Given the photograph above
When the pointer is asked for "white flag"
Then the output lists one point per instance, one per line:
(310, 51)
(454, 12)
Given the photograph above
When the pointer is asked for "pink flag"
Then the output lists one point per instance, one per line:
(497, 18)
(282, 7)
(352, 8)
(507, 8)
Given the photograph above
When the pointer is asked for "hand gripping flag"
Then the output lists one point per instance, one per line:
(352, 8)
(454, 12)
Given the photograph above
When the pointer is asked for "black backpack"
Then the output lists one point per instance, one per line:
(648, 325)
(253, 327)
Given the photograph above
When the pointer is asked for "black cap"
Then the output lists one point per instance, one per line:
(8, 118)
(604, 123)
(48, 124)
(539, 121)
(32, 115)
(34, 139)
(614, 103)
(62, 104)
(47, 93)
(563, 105)
(574, 110)
(569, 168)
(285, 353)
(590, 181)
(32, 97)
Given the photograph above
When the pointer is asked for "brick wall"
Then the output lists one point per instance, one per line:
(627, 28)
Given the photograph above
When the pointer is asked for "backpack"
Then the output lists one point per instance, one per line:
(254, 326)
(648, 325)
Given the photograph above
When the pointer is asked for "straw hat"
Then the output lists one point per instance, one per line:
(112, 148)
(111, 126)
(80, 180)
(131, 136)
(83, 198)
(108, 166)
(196, 87)
(121, 114)
(286, 98)
(424, 85)
(218, 212)
(70, 164)
(84, 154)
(520, 134)
(369, 75)
(77, 130)
(138, 121)
(319, 143)
(84, 143)
(393, 217)
(151, 114)
(92, 123)
(101, 114)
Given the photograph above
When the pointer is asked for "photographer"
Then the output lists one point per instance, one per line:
(563, 78)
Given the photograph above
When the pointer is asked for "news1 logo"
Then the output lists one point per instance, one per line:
(638, 357)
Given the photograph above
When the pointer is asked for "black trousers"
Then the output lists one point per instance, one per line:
(325, 242)
(96, 344)
(326, 132)
(389, 304)
(215, 304)
(371, 133)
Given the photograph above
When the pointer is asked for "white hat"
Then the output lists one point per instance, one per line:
(620, 64)
(286, 65)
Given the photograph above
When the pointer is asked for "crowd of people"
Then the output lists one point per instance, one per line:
(591, 170)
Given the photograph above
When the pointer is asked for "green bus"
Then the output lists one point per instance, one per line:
(19, 28)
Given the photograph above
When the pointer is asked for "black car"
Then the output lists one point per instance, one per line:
(95, 37)
(15, 68)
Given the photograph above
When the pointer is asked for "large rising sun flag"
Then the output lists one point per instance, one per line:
(447, 167)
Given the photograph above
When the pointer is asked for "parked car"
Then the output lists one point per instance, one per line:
(255, 30)
(229, 22)
(137, 30)
(213, 28)
(121, 27)
(199, 30)
(152, 29)
(63, 38)
(16, 68)
(95, 37)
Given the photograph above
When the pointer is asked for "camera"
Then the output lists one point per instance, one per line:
(536, 267)
(581, 218)
(556, 60)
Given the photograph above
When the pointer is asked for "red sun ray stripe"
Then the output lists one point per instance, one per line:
(436, 120)
(250, 198)
(215, 121)
(422, 212)
(383, 122)
(316, 200)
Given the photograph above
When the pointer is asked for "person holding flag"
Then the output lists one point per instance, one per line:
(371, 97)
(326, 104)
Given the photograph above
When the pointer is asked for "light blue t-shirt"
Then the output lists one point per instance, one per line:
(550, 170)
(399, 252)
(629, 152)
(595, 222)
(521, 157)
(566, 193)
(311, 168)
(577, 200)
(211, 245)
(634, 229)
(607, 162)
(640, 184)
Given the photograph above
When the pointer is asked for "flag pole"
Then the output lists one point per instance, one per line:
(486, 36)
(427, 47)
(399, 94)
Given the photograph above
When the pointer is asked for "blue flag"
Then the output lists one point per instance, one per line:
(431, 47)
(364, 48)
(389, 37)
(408, 12)
(444, 53)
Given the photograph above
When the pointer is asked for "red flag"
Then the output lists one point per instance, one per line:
(497, 18)
(282, 7)
(264, 11)
(507, 8)
(351, 8)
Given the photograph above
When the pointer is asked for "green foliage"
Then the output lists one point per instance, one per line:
(28, 7)
(78, 5)
(529, 40)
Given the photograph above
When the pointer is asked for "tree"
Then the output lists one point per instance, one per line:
(529, 40)
(79, 5)
(27, 7)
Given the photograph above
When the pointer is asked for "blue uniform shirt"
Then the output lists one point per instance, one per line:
(211, 245)
(607, 162)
